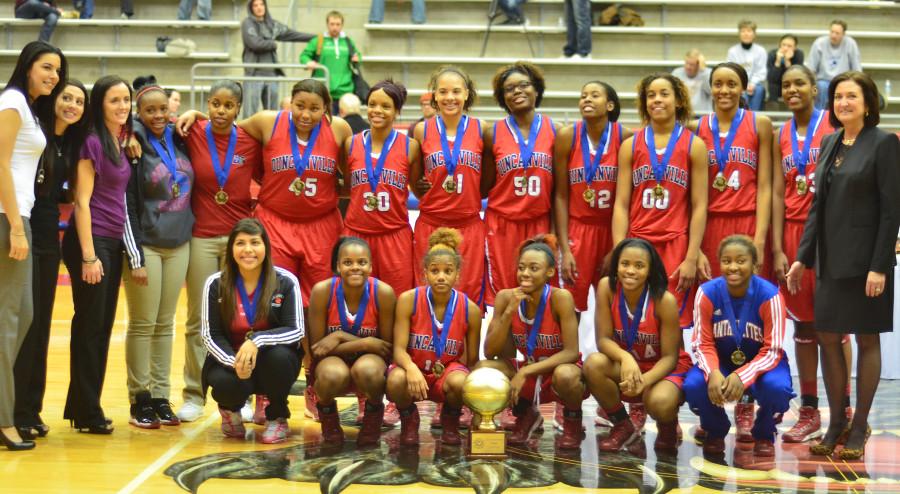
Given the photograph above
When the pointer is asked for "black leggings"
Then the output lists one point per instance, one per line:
(277, 367)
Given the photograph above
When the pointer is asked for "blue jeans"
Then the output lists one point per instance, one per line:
(204, 9)
(578, 28)
(376, 11)
(822, 97)
(256, 91)
(756, 100)
(773, 391)
(35, 9)
(512, 8)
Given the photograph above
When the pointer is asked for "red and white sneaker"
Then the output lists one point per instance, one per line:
(436, 417)
(528, 422)
(409, 428)
(332, 432)
(668, 436)
(232, 424)
(391, 415)
(743, 420)
(808, 426)
(638, 415)
(558, 416)
(602, 420)
(259, 414)
(450, 423)
(507, 419)
(573, 431)
(277, 431)
(309, 396)
(370, 432)
(622, 434)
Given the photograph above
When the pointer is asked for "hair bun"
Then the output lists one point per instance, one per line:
(445, 237)
(548, 239)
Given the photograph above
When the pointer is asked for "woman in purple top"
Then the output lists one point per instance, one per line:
(92, 249)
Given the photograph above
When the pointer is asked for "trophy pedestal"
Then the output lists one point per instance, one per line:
(489, 445)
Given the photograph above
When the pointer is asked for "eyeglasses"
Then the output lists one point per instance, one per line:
(523, 85)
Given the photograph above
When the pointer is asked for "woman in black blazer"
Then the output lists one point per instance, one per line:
(849, 237)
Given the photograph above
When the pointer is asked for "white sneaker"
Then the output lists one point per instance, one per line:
(247, 412)
(189, 412)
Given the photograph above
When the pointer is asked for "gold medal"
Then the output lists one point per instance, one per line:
(297, 186)
(371, 202)
(588, 195)
(438, 368)
(659, 191)
(802, 185)
(221, 197)
(449, 184)
(719, 183)
(738, 357)
(176, 190)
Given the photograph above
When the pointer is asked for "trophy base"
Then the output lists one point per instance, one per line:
(489, 445)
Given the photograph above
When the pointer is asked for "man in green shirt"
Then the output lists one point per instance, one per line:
(334, 50)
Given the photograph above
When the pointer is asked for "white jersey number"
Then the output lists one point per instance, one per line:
(530, 186)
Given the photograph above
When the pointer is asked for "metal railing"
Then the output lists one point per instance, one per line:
(282, 80)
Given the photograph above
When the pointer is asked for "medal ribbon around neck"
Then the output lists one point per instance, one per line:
(249, 306)
(526, 149)
(591, 165)
(222, 169)
(630, 325)
(722, 151)
(301, 163)
(374, 174)
(439, 336)
(535, 327)
(728, 308)
(659, 167)
(802, 159)
(360, 311)
(451, 159)
(167, 155)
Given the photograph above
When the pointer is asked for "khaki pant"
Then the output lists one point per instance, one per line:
(151, 320)
(205, 260)
(15, 314)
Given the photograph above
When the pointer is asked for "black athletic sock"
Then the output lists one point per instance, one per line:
(809, 401)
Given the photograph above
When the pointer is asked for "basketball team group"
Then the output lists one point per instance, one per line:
(720, 223)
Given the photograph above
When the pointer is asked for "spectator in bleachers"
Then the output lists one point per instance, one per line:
(752, 57)
(260, 33)
(376, 11)
(578, 29)
(86, 8)
(779, 60)
(831, 55)
(204, 9)
(40, 9)
(513, 11)
(174, 103)
(428, 111)
(348, 109)
(695, 76)
(336, 51)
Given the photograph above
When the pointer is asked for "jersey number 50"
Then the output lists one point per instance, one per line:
(527, 186)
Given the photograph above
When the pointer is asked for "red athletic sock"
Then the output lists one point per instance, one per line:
(809, 388)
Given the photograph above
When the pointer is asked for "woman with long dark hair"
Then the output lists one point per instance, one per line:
(66, 135)
(92, 249)
(27, 100)
(252, 325)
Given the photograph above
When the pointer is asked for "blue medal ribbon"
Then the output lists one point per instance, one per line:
(659, 167)
(591, 165)
(438, 336)
(537, 321)
(360, 311)
(451, 159)
(167, 155)
(302, 162)
(526, 149)
(222, 169)
(374, 174)
(802, 159)
(630, 325)
(722, 151)
(738, 326)
(249, 307)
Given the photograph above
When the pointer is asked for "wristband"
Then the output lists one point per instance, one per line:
(91, 260)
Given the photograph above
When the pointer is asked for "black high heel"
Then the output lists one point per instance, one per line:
(15, 446)
(104, 427)
(26, 432)
(42, 429)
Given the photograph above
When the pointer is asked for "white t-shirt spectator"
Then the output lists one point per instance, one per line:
(698, 86)
(753, 60)
(827, 61)
(30, 143)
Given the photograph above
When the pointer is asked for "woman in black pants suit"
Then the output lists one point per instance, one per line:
(849, 237)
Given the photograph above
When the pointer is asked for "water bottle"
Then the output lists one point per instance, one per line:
(887, 89)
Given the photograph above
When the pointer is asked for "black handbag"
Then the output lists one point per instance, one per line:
(360, 86)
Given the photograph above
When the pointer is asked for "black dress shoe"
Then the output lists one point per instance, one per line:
(26, 432)
(15, 446)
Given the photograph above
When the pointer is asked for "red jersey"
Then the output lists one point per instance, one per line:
(599, 210)
(796, 206)
(740, 171)
(549, 337)
(522, 193)
(214, 219)
(319, 196)
(646, 347)
(465, 201)
(369, 325)
(420, 347)
(389, 212)
(668, 217)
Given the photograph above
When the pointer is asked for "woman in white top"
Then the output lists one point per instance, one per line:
(28, 98)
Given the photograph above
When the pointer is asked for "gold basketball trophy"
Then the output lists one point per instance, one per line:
(486, 392)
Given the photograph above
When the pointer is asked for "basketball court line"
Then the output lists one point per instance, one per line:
(168, 455)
